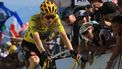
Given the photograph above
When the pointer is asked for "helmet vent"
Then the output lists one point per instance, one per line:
(42, 9)
(44, 5)
(51, 2)
(47, 2)
(49, 9)
(46, 10)
(53, 9)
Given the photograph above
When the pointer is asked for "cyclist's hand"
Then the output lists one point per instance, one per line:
(73, 54)
(46, 56)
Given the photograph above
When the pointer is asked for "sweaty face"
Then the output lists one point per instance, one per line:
(48, 18)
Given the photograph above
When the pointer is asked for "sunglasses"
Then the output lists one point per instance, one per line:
(49, 16)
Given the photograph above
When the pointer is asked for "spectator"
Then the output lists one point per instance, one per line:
(80, 19)
(117, 27)
(120, 5)
(75, 18)
(96, 13)
(86, 38)
(70, 19)
(34, 61)
(108, 11)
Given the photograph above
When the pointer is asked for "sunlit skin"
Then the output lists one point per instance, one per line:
(48, 23)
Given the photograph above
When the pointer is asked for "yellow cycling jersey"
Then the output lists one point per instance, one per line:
(37, 24)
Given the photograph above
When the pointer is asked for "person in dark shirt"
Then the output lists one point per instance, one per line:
(117, 27)
(75, 18)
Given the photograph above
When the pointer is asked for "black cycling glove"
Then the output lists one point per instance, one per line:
(44, 55)
(73, 54)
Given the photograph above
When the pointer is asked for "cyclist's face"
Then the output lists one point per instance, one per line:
(49, 16)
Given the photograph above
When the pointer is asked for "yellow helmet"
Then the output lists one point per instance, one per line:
(48, 7)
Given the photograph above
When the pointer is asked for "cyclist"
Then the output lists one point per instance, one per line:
(40, 28)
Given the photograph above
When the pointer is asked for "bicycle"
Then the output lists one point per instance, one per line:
(52, 64)
(55, 53)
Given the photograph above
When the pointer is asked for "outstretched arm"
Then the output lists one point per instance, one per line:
(66, 40)
(38, 42)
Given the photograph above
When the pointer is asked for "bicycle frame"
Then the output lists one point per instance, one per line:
(55, 57)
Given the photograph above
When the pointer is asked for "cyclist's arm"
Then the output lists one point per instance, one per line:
(66, 40)
(38, 42)
(35, 34)
(64, 35)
